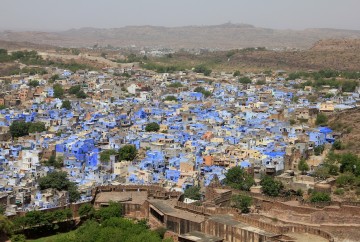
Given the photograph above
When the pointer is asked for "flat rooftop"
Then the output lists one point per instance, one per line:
(168, 207)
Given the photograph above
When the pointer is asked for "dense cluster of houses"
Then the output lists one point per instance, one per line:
(200, 137)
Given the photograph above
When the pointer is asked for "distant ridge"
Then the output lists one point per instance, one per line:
(222, 37)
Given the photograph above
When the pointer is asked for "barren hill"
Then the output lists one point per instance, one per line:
(226, 36)
(327, 54)
(348, 122)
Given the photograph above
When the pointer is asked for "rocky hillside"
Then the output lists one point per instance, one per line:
(332, 54)
(348, 123)
(222, 37)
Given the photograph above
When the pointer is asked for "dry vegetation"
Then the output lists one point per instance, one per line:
(348, 123)
(345, 57)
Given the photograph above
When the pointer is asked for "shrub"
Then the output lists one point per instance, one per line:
(242, 202)
(321, 119)
(171, 98)
(339, 191)
(337, 145)
(238, 178)
(320, 197)
(270, 186)
(345, 179)
(127, 152)
(245, 80)
(193, 193)
(152, 127)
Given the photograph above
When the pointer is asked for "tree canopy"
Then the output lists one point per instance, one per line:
(112, 229)
(170, 98)
(319, 197)
(21, 128)
(55, 162)
(303, 166)
(66, 104)
(202, 69)
(127, 152)
(86, 210)
(105, 155)
(81, 94)
(152, 127)
(236, 73)
(58, 91)
(245, 80)
(242, 202)
(34, 83)
(203, 91)
(270, 186)
(321, 119)
(36, 127)
(238, 178)
(193, 193)
(74, 89)
(58, 180)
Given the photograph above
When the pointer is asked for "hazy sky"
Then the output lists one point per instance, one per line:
(280, 14)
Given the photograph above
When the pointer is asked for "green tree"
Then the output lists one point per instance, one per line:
(322, 172)
(127, 152)
(319, 197)
(170, 98)
(86, 210)
(245, 80)
(58, 180)
(260, 82)
(152, 127)
(105, 155)
(299, 192)
(112, 229)
(270, 186)
(19, 129)
(349, 86)
(54, 78)
(66, 104)
(55, 162)
(58, 91)
(203, 91)
(193, 193)
(242, 202)
(175, 84)
(303, 166)
(238, 178)
(337, 145)
(18, 238)
(74, 89)
(74, 194)
(161, 232)
(236, 73)
(321, 119)
(34, 83)
(2, 107)
(202, 69)
(2, 209)
(113, 210)
(350, 163)
(81, 94)
(318, 150)
(345, 179)
(36, 127)
(6, 226)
